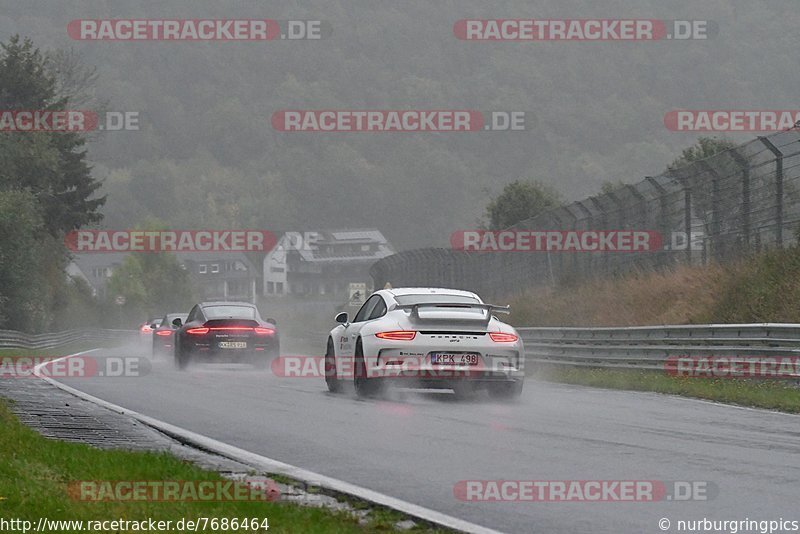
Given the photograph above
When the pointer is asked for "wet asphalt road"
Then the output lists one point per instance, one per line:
(417, 446)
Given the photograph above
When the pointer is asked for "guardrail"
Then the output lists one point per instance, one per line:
(649, 347)
(11, 339)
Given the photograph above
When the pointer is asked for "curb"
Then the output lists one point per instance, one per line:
(274, 466)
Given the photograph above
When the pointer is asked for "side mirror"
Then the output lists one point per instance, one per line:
(341, 318)
(273, 321)
(177, 322)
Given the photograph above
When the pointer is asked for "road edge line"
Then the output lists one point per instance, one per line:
(270, 465)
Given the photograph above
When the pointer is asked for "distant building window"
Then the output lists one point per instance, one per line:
(202, 268)
(279, 287)
(365, 248)
(276, 269)
(270, 287)
(215, 267)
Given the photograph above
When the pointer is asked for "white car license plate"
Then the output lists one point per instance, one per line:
(233, 344)
(454, 358)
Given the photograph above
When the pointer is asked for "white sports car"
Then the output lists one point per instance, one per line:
(426, 338)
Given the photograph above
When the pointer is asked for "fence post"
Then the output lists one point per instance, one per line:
(715, 238)
(778, 189)
(604, 227)
(588, 262)
(642, 201)
(745, 165)
(620, 209)
(687, 213)
(556, 215)
(663, 223)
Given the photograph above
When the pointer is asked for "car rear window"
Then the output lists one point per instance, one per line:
(432, 299)
(229, 312)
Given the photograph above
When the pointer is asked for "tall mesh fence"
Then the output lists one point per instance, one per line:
(725, 207)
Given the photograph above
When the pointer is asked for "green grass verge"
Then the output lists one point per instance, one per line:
(63, 350)
(774, 395)
(35, 473)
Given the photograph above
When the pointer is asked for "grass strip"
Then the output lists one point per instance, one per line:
(771, 394)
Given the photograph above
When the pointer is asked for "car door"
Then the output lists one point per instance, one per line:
(347, 343)
(195, 318)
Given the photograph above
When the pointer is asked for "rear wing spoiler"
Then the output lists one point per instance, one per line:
(490, 308)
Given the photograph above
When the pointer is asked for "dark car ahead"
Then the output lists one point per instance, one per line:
(225, 332)
(164, 333)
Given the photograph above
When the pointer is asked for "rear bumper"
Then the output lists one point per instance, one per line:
(482, 381)
(231, 356)
(209, 353)
(403, 359)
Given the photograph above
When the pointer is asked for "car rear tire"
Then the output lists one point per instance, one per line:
(181, 357)
(364, 386)
(260, 360)
(506, 390)
(464, 390)
(331, 377)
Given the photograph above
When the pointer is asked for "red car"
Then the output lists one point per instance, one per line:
(147, 327)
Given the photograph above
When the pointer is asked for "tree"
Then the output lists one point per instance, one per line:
(151, 282)
(717, 211)
(52, 165)
(520, 200)
(23, 302)
(704, 148)
(46, 189)
(610, 186)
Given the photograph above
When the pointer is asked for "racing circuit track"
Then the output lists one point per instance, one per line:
(416, 446)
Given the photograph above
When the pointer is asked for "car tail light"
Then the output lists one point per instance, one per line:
(232, 328)
(198, 331)
(397, 335)
(261, 331)
(502, 337)
(145, 328)
(163, 332)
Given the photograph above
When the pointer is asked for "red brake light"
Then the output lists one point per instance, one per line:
(145, 328)
(198, 331)
(502, 337)
(263, 331)
(163, 332)
(397, 335)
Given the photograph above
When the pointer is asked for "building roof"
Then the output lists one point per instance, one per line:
(333, 239)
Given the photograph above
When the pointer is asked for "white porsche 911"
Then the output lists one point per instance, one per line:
(426, 338)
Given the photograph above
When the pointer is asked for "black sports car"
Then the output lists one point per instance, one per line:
(164, 333)
(225, 332)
